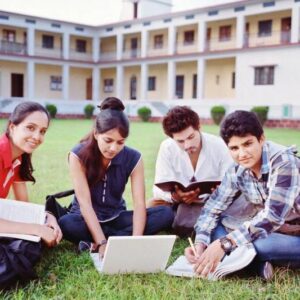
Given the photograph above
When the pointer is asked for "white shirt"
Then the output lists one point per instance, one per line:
(174, 164)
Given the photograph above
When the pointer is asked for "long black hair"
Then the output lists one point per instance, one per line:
(20, 113)
(110, 117)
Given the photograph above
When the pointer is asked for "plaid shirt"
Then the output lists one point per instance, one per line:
(277, 191)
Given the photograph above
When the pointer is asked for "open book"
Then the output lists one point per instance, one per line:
(237, 260)
(19, 211)
(204, 186)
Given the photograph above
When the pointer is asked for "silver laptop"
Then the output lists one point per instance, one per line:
(135, 254)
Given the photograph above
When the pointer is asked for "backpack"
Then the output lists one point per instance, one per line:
(17, 260)
(54, 207)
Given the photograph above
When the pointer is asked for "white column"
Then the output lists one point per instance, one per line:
(171, 80)
(30, 41)
(96, 84)
(30, 79)
(119, 83)
(144, 81)
(200, 78)
(171, 40)
(119, 46)
(65, 81)
(201, 35)
(66, 45)
(295, 24)
(240, 31)
(96, 49)
(144, 45)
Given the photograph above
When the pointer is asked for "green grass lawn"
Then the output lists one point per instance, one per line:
(65, 275)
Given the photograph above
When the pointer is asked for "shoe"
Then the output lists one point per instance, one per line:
(84, 246)
(266, 271)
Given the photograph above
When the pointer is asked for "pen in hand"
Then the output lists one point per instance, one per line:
(192, 246)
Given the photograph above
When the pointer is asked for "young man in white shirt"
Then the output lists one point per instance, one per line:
(187, 155)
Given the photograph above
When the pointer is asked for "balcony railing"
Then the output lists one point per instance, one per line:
(107, 56)
(12, 47)
(48, 52)
(219, 45)
(84, 56)
(186, 47)
(132, 53)
(272, 38)
(157, 52)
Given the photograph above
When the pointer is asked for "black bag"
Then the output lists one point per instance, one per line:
(185, 219)
(54, 207)
(17, 260)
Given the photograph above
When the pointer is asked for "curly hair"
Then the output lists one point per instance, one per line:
(240, 123)
(179, 118)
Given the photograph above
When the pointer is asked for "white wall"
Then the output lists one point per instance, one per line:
(286, 80)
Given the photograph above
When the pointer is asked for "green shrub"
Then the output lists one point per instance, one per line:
(261, 113)
(89, 110)
(52, 109)
(217, 113)
(144, 113)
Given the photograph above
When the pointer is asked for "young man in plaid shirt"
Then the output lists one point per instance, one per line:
(268, 175)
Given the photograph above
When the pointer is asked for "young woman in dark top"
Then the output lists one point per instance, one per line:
(100, 167)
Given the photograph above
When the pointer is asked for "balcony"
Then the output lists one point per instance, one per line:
(13, 48)
(157, 52)
(132, 53)
(185, 47)
(80, 56)
(48, 52)
(108, 56)
(220, 45)
(272, 38)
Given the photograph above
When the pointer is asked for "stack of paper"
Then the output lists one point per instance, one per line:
(237, 260)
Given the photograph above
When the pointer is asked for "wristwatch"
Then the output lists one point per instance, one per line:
(97, 246)
(226, 245)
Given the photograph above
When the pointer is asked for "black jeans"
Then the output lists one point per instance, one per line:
(75, 229)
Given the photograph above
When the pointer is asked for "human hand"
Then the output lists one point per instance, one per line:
(190, 255)
(101, 251)
(185, 197)
(209, 259)
(52, 223)
(47, 235)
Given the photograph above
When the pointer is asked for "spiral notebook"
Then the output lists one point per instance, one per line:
(237, 260)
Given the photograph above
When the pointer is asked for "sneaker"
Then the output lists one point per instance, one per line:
(266, 271)
(84, 246)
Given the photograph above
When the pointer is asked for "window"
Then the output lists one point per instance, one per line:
(189, 37)
(179, 85)
(151, 83)
(225, 33)
(9, 35)
(47, 41)
(233, 80)
(81, 46)
(108, 85)
(265, 28)
(264, 75)
(55, 83)
(158, 41)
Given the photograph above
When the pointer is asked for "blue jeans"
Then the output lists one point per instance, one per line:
(279, 249)
(75, 229)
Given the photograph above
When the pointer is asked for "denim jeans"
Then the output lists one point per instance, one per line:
(279, 249)
(75, 229)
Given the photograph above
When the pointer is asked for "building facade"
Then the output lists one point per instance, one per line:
(239, 55)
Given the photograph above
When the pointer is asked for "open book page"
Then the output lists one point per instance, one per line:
(204, 186)
(19, 211)
(98, 262)
(237, 260)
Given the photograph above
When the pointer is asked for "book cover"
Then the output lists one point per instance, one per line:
(25, 212)
(237, 260)
(205, 187)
